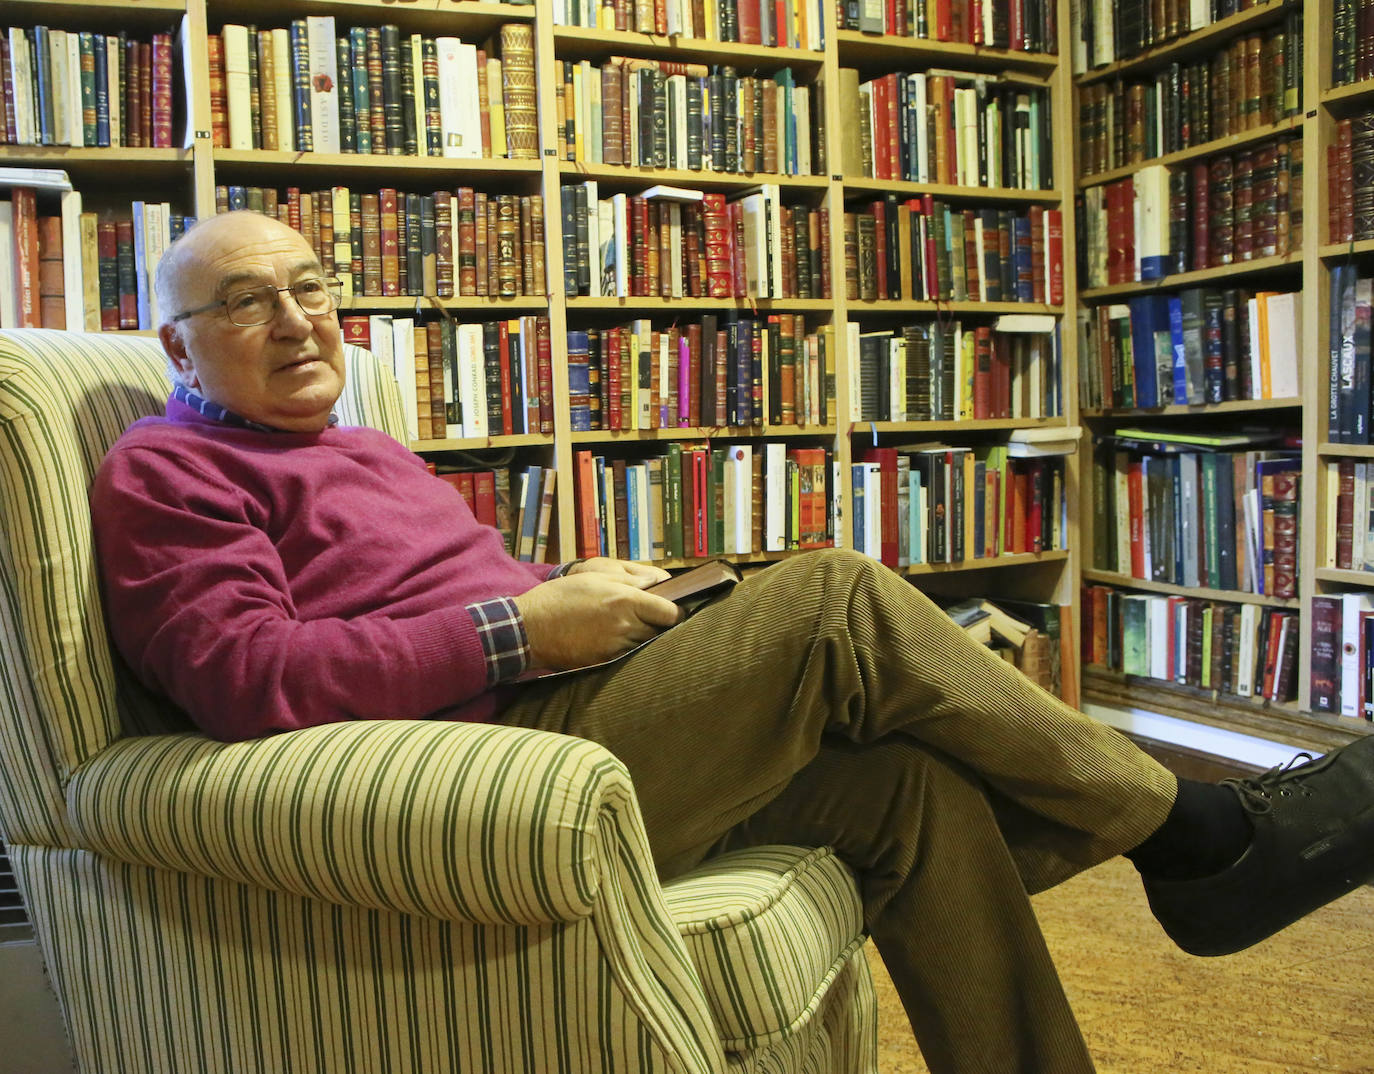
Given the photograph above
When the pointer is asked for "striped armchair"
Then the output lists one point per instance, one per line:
(372, 896)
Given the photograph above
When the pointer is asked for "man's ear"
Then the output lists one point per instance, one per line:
(170, 337)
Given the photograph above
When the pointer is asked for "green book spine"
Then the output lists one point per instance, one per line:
(672, 501)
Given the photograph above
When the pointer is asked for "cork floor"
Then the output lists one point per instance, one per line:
(1301, 1002)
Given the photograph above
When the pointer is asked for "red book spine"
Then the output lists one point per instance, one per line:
(357, 329)
(107, 252)
(694, 375)
(1136, 501)
(484, 497)
(1202, 247)
(162, 90)
(390, 232)
(719, 278)
(507, 397)
(886, 458)
(882, 165)
(529, 364)
(879, 209)
(588, 525)
(128, 284)
(611, 344)
(894, 123)
(25, 208)
(544, 348)
(750, 32)
(700, 507)
(739, 280)
(1038, 273)
(943, 21)
(982, 373)
(1054, 255)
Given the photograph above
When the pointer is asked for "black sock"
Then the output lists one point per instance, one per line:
(1205, 831)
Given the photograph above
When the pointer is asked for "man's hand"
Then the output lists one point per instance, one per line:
(639, 575)
(593, 614)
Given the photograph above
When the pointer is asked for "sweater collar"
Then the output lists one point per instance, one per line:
(214, 411)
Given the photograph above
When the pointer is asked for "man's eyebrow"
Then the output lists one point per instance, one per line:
(235, 280)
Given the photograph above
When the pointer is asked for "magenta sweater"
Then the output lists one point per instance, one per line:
(272, 581)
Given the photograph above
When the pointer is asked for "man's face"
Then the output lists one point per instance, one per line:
(287, 373)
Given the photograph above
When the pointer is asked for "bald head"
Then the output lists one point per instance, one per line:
(182, 267)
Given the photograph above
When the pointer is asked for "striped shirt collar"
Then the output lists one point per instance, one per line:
(204, 406)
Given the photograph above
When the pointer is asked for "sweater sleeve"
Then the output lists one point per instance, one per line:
(199, 606)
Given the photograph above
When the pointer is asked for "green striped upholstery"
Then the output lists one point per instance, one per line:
(769, 928)
(373, 896)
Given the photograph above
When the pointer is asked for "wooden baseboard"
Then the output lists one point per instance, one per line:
(1187, 763)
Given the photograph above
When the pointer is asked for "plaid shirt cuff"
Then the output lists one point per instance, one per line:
(502, 631)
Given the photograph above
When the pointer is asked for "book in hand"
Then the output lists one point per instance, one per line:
(690, 590)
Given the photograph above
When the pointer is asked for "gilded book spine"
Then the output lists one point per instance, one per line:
(517, 70)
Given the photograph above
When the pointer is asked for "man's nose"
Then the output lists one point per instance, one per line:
(290, 319)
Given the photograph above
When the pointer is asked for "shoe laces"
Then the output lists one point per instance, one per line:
(1257, 793)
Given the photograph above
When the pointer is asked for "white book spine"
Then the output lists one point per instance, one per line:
(324, 82)
(873, 510)
(281, 89)
(458, 98)
(775, 497)
(1159, 637)
(21, 87)
(113, 65)
(73, 274)
(403, 344)
(9, 313)
(237, 86)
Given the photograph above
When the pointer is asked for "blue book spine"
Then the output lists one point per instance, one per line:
(1335, 396)
(857, 472)
(102, 91)
(1143, 351)
(744, 372)
(42, 78)
(1021, 253)
(1180, 356)
(632, 510)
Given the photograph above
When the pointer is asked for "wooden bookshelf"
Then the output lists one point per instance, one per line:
(1245, 138)
(896, 52)
(586, 43)
(1199, 410)
(1234, 596)
(1239, 270)
(1198, 43)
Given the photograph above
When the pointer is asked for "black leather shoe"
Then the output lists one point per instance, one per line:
(1313, 842)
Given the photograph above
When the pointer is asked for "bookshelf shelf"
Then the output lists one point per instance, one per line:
(413, 303)
(475, 443)
(1012, 560)
(630, 175)
(257, 160)
(723, 432)
(1197, 43)
(1335, 250)
(469, 17)
(1206, 149)
(879, 187)
(656, 304)
(1349, 451)
(587, 43)
(1345, 577)
(922, 306)
(888, 50)
(1126, 581)
(860, 428)
(59, 12)
(1235, 406)
(732, 557)
(1339, 98)
(1197, 276)
(113, 167)
(1283, 723)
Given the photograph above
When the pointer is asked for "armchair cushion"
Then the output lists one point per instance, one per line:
(465, 822)
(769, 929)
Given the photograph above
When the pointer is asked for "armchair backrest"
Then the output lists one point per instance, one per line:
(65, 397)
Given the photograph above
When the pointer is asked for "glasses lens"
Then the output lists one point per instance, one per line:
(258, 305)
(317, 295)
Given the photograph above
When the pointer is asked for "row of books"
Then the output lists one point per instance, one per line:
(942, 370)
(798, 24)
(68, 268)
(675, 242)
(517, 502)
(1105, 31)
(1348, 357)
(1253, 81)
(924, 249)
(1350, 542)
(1244, 650)
(491, 378)
(1201, 345)
(936, 503)
(672, 114)
(391, 242)
(1192, 510)
(1227, 209)
(1343, 655)
(1350, 179)
(1020, 25)
(731, 371)
(80, 88)
(372, 89)
(1027, 634)
(1352, 51)
(953, 127)
(700, 499)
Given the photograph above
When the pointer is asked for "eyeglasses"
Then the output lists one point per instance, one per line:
(316, 296)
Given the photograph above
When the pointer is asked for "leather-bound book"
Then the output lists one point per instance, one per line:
(518, 84)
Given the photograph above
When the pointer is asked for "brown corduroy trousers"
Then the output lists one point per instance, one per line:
(828, 702)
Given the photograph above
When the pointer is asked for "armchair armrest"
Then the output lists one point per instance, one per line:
(473, 822)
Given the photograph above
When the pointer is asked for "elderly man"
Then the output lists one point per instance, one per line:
(267, 569)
